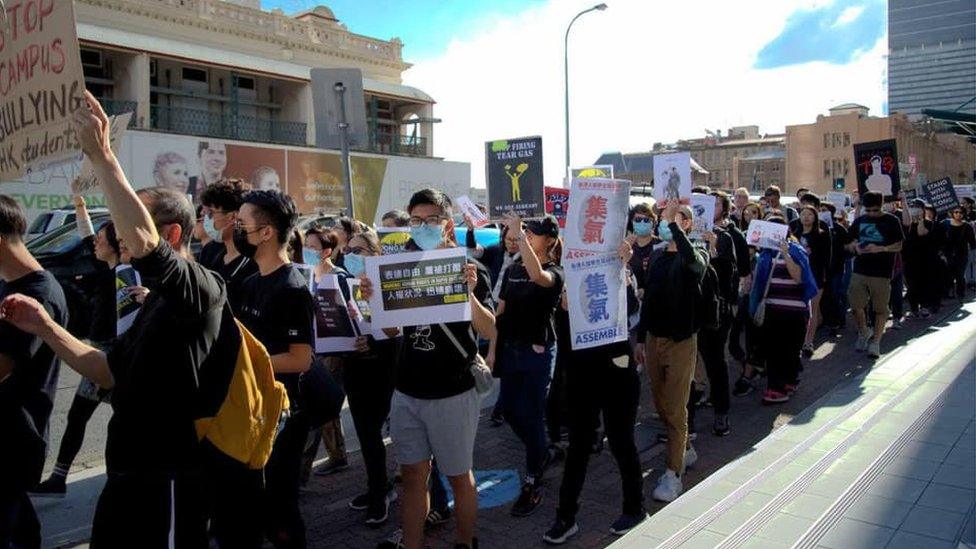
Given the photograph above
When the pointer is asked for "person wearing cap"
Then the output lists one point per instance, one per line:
(920, 254)
(772, 196)
(667, 340)
(524, 349)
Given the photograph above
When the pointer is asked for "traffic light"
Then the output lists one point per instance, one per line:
(839, 184)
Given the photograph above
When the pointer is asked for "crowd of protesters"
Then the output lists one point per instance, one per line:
(173, 480)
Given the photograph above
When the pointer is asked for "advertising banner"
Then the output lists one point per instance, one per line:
(514, 176)
(416, 288)
(877, 167)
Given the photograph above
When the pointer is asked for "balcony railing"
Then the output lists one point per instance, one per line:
(213, 124)
(114, 107)
(395, 143)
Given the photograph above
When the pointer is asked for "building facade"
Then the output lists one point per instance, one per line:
(821, 155)
(931, 55)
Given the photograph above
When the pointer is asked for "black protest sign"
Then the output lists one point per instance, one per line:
(941, 195)
(877, 168)
(331, 314)
(513, 171)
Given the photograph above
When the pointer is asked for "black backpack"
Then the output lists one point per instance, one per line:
(708, 302)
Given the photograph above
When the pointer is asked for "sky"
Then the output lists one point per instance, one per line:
(641, 72)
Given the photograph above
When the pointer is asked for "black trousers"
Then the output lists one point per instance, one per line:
(783, 335)
(149, 511)
(711, 346)
(79, 413)
(923, 282)
(369, 387)
(234, 492)
(19, 526)
(557, 410)
(595, 387)
(282, 477)
(957, 276)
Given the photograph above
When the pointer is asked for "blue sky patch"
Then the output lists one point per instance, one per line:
(835, 34)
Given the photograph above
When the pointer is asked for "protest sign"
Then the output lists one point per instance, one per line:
(877, 168)
(602, 171)
(41, 84)
(364, 318)
(596, 290)
(941, 195)
(513, 170)
(672, 178)
(763, 234)
(470, 209)
(827, 218)
(416, 288)
(557, 202)
(308, 273)
(126, 306)
(596, 220)
(841, 201)
(393, 240)
(964, 191)
(334, 329)
(87, 180)
(703, 214)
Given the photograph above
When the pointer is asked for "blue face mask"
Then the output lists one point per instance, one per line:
(312, 258)
(664, 231)
(643, 228)
(427, 237)
(355, 264)
(208, 227)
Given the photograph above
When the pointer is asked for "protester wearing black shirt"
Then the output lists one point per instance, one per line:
(434, 411)
(641, 224)
(833, 302)
(875, 238)
(920, 257)
(276, 306)
(497, 258)
(525, 347)
(28, 377)
(221, 202)
(814, 236)
(958, 240)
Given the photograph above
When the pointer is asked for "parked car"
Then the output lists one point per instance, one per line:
(48, 221)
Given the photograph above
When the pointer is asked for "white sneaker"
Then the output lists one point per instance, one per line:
(691, 456)
(668, 488)
(874, 349)
(862, 341)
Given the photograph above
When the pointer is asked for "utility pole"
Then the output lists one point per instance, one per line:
(340, 90)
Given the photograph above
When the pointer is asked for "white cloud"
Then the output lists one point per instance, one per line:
(849, 15)
(640, 72)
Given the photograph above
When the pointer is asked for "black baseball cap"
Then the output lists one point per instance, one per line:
(546, 226)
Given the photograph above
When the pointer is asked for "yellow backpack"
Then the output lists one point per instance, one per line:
(246, 422)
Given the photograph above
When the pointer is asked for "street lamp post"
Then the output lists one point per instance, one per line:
(599, 7)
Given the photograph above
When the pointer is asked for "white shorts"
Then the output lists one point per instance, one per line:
(442, 428)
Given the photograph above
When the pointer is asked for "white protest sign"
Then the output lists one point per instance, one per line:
(596, 220)
(471, 210)
(841, 201)
(417, 288)
(393, 240)
(333, 327)
(827, 218)
(126, 306)
(763, 234)
(41, 85)
(964, 191)
(672, 178)
(703, 214)
(363, 319)
(596, 289)
(87, 180)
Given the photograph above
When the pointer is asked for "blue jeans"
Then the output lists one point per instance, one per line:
(525, 380)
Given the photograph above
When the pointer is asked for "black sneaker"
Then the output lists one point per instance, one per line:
(53, 487)
(721, 425)
(626, 523)
(332, 466)
(360, 502)
(743, 386)
(554, 454)
(378, 512)
(560, 532)
(528, 501)
(437, 517)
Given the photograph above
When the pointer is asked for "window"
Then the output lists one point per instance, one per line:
(847, 165)
(826, 168)
(847, 142)
(826, 140)
(838, 140)
(91, 58)
(197, 75)
(245, 83)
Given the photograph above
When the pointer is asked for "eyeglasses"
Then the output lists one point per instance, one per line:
(239, 225)
(432, 221)
(358, 250)
(641, 219)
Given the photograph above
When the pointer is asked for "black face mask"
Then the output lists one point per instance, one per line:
(243, 246)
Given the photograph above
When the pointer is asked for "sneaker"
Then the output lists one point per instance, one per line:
(862, 341)
(378, 512)
(791, 388)
(560, 532)
(668, 487)
(332, 466)
(437, 517)
(53, 487)
(720, 427)
(554, 454)
(528, 501)
(662, 438)
(775, 397)
(691, 456)
(395, 541)
(626, 523)
(743, 386)
(360, 502)
(924, 312)
(896, 324)
(874, 349)
(808, 350)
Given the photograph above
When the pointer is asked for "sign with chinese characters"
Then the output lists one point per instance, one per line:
(513, 171)
(596, 291)
(557, 202)
(126, 306)
(941, 195)
(393, 240)
(877, 168)
(703, 214)
(333, 327)
(763, 234)
(416, 288)
(596, 220)
(672, 178)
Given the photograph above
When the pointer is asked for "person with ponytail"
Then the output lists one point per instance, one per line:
(526, 341)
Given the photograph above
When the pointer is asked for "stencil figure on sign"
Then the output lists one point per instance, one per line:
(878, 180)
(514, 176)
(673, 189)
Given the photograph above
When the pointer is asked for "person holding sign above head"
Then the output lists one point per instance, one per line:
(603, 381)
(667, 337)
(435, 406)
(524, 351)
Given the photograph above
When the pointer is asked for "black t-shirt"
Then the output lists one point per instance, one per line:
(819, 249)
(28, 392)
(157, 365)
(957, 241)
(883, 230)
(277, 308)
(641, 258)
(212, 255)
(234, 274)
(529, 307)
(430, 366)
